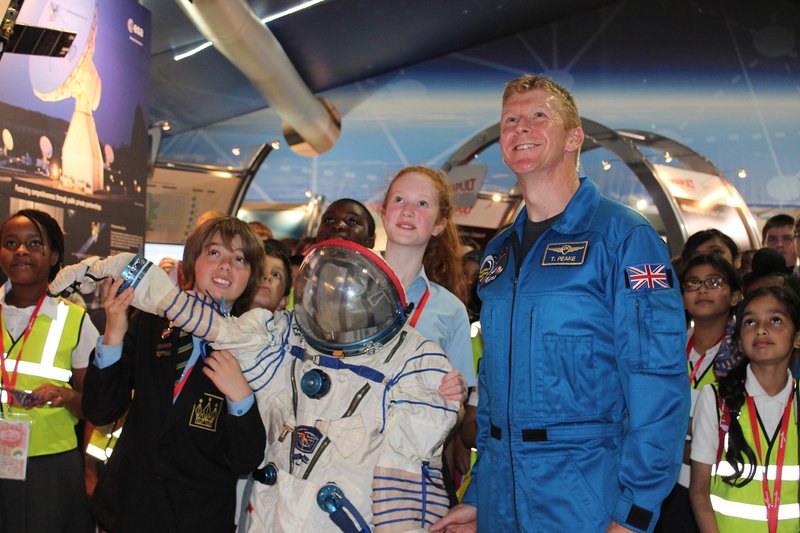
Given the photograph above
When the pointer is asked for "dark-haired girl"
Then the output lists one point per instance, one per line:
(745, 447)
(711, 290)
(46, 344)
(709, 242)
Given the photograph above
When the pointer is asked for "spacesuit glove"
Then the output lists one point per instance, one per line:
(73, 278)
(153, 287)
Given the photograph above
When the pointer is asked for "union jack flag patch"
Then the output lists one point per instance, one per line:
(648, 276)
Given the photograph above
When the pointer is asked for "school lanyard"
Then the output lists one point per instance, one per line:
(696, 366)
(774, 502)
(10, 382)
(420, 306)
(190, 364)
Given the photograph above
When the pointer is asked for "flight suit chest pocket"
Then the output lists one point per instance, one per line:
(565, 376)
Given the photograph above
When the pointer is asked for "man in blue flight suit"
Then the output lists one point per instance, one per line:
(583, 393)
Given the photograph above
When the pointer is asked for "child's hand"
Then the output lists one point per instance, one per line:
(116, 308)
(223, 370)
(454, 387)
(167, 264)
(54, 395)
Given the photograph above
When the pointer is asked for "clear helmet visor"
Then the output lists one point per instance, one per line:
(347, 299)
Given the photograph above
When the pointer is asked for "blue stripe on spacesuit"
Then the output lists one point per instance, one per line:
(406, 509)
(429, 476)
(276, 362)
(400, 375)
(174, 301)
(426, 354)
(191, 314)
(386, 522)
(397, 402)
(279, 353)
(418, 500)
(210, 321)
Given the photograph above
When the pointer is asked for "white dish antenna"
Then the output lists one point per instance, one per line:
(8, 141)
(73, 76)
(46, 147)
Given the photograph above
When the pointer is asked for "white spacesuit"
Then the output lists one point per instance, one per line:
(348, 393)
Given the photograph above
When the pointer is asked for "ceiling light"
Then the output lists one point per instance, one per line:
(193, 51)
(497, 197)
(632, 135)
(641, 204)
(236, 151)
(605, 164)
(667, 157)
(265, 20)
(165, 126)
(276, 145)
(742, 173)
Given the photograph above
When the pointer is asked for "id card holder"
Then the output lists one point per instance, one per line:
(15, 436)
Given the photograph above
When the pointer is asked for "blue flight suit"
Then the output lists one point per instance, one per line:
(584, 397)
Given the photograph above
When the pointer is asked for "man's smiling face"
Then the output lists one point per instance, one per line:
(533, 135)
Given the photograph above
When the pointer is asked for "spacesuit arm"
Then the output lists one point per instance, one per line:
(650, 337)
(408, 492)
(156, 293)
(266, 366)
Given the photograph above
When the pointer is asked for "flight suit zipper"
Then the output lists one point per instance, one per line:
(517, 267)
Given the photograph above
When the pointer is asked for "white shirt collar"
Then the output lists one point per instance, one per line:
(49, 306)
(755, 389)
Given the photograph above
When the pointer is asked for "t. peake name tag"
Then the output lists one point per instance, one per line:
(565, 253)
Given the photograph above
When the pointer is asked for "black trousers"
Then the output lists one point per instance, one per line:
(52, 497)
(676, 513)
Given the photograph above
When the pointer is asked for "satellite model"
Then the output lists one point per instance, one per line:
(25, 39)
(62, 46)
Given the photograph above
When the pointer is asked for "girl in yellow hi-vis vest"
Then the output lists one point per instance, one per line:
(745, 441)
(46, 344)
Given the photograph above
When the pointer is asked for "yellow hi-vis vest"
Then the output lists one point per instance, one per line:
(706, 378)
(47, 359)
(742, 509)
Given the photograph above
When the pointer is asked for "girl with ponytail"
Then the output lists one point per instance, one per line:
(745, 433)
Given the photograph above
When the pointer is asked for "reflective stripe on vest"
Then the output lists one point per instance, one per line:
(44, 371)
(749, 511)
(47, 359)
(740, 508)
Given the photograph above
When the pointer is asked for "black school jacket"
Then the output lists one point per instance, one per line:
(175, 466)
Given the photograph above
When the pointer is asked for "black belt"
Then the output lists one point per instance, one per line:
(528, 435)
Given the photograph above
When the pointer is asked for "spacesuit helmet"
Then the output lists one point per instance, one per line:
(347, 300)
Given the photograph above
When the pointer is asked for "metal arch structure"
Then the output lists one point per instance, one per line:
(477, 144)
(598, 136)
(697, 162)
(625, 145)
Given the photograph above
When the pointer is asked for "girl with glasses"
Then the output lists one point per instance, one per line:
(711, 290)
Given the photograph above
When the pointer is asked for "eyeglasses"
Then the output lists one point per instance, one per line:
(694, 284)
